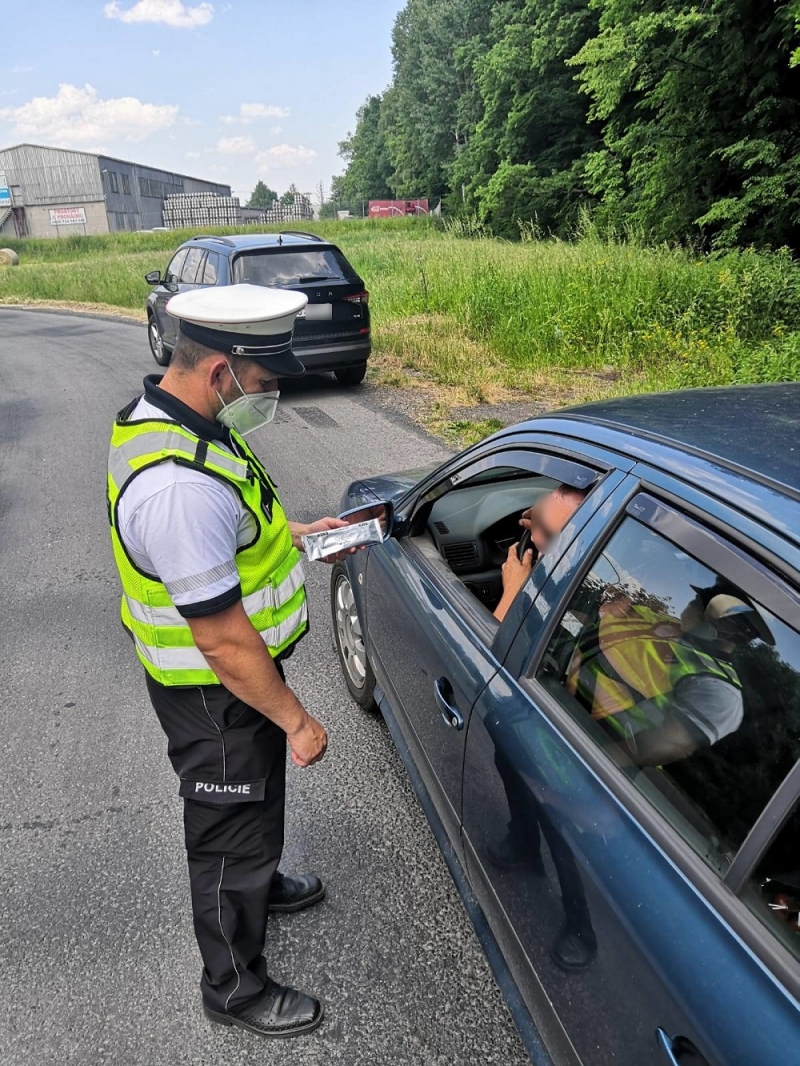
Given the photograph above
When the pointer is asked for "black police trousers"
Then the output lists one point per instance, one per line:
(231, 762)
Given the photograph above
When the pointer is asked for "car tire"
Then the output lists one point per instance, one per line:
(351, 375)
(160, 352)
(358, 675)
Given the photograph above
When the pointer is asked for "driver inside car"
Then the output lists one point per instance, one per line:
(544, 521)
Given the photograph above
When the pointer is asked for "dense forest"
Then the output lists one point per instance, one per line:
(673, 120)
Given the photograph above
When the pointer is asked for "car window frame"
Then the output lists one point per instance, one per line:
(723, 893)
(215, 267)
(199, 269)
(470, 610)
(168, 273)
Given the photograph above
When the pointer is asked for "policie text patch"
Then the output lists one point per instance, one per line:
(223, 791)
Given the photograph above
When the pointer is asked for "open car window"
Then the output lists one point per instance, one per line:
(470, 520)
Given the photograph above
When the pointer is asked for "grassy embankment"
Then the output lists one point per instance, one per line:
(469, 320)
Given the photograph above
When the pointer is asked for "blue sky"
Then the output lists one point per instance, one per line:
(232, 92)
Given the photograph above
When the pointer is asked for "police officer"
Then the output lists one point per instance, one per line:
(214, 599)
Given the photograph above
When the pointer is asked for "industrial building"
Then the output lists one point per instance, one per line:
(47, 192)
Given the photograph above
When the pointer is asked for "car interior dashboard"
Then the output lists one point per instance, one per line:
(473, 527)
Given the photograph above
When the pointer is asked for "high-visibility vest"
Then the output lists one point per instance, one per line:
(270, 568)
(635, 658)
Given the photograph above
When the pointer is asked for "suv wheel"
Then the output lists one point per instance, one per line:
(351, 375)
(161, 354)
(358, 674)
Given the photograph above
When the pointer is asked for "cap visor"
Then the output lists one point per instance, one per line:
(285, 365)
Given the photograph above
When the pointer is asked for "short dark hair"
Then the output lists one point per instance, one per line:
(188, 355)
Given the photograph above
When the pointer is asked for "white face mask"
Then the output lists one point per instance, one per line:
(251, 411)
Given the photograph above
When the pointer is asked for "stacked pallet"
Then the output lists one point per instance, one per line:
(200, 209)
(299, 210)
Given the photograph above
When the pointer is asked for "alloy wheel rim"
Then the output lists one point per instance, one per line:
(348, 629)
(156, 343)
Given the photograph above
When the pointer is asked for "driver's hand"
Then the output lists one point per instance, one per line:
(516, 571)
(525, 519)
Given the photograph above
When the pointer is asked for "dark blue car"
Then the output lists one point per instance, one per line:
(333, 332)
(611, 769)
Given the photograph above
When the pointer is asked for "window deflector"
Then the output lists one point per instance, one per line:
(567, 471)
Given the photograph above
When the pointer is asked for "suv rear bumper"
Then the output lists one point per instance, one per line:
(333, 356)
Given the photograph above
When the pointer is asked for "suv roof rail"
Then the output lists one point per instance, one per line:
(209, 237)
(300, 233)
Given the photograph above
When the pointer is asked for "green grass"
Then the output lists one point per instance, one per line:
(578, 319)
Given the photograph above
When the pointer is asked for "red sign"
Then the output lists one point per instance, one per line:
(397, 208)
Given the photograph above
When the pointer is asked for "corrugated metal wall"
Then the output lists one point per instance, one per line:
(38, 176)
(134, 195)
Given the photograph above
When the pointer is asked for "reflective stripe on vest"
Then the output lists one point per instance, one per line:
(269, 568)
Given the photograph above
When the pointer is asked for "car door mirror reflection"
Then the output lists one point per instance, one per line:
(382, 511)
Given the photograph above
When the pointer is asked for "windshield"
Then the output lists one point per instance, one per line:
(285, 268)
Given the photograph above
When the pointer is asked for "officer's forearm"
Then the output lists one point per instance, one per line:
(237, 655)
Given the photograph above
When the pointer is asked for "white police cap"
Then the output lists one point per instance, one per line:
(245, 320)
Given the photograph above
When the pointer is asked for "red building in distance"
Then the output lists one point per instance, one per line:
(397, 208)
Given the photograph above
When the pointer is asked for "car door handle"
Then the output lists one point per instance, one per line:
(443, 691)
(679, 1051)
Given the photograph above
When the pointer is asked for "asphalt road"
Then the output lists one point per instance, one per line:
(98, 961)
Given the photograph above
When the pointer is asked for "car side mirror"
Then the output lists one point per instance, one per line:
(153, 278)
(384, 512)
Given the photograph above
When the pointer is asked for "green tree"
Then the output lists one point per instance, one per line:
(700, 109)
(526, 158)
(262, 196)
(369, 171)
(430, 110)
(289, 195)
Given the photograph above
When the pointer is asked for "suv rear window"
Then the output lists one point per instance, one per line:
(287, 268)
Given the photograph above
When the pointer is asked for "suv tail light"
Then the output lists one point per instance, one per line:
(358, 298)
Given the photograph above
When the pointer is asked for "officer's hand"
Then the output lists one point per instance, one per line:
(322, 525)
(308, 743)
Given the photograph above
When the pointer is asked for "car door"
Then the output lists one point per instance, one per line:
(633, 879)
(430, 639)
(164, 292)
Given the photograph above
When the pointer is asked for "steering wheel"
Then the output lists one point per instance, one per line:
(524, 544)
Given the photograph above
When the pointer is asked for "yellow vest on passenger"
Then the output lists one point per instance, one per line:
(639, 656)
(270, 569)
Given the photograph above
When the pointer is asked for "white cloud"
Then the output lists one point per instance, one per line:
(156, 52)
(252, 112)
(193, 155)
(236, 145)
(170, 12)
(284, 156)
(276, 129)
(78, 117)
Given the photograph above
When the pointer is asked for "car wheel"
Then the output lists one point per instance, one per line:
(358, 674)
(161, 353)
(351, 375)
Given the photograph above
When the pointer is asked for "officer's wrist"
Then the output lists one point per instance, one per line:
(302, 722)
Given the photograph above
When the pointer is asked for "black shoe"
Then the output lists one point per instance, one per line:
(281, 1012)
(512, 854)
(294, 893)
(574, 951)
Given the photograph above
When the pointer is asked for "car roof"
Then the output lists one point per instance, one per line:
(739, 444)
(753, 427)
(243, 241)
